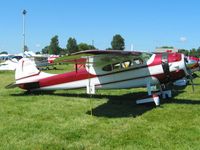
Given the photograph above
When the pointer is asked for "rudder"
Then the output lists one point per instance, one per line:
(25, 68)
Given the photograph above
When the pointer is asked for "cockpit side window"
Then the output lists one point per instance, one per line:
(137, 61)
(107, 68)
(116, 66)
(126, 64)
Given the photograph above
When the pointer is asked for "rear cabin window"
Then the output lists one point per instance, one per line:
(107, 68)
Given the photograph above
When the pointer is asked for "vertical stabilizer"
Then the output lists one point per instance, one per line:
(25, 68)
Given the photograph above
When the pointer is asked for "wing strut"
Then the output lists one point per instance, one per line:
(90, 86)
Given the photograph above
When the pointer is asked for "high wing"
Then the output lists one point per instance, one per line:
(101, 57)
(115, 52)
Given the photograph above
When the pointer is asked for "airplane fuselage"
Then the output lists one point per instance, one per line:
(160, 68)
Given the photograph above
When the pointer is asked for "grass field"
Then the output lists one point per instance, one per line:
(62, 120)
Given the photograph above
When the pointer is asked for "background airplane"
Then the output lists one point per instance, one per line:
(9, 62)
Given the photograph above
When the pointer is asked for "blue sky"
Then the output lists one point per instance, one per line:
(144, 23)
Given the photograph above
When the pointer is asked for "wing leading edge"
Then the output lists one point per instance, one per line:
(99, 56)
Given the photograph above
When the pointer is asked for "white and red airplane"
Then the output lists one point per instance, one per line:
(107, 70)
(51, 58)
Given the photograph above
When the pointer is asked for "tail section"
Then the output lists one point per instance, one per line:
(27, 72)
(25, 68)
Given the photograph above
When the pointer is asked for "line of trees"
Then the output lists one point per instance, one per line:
(71, 47)
(192, 52)
(117, 43)
(4, 52)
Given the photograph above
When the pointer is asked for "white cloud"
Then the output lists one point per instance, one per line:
(183, 39)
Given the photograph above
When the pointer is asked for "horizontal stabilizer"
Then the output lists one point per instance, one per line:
(27, 85)
(11, 85)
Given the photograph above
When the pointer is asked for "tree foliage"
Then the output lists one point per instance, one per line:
(108, 48)
(72, 46)
(118, 42)
(37, 53)
(198, 50)
(193, 52)
(45, 50)
(4, 52)
(54, 46)
(85, 46)
(170, 47)
(183, 51)
(63, 51)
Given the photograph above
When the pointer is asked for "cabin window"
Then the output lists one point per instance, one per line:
(107, 68)
(137, 61)
(126, 64)
(116, 66)
(132, 62)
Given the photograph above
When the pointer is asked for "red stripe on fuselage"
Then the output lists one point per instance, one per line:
(83, 74)
(76, 76)
(172, 57)
(157, 60)
(65, 78)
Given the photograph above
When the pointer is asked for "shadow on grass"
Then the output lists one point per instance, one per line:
(120, 105)
(184, 101)
(126, 106)
(116, 106)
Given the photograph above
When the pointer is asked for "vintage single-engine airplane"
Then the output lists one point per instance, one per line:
(108, 70)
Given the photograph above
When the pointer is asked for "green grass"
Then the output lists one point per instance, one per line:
(62, 120)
